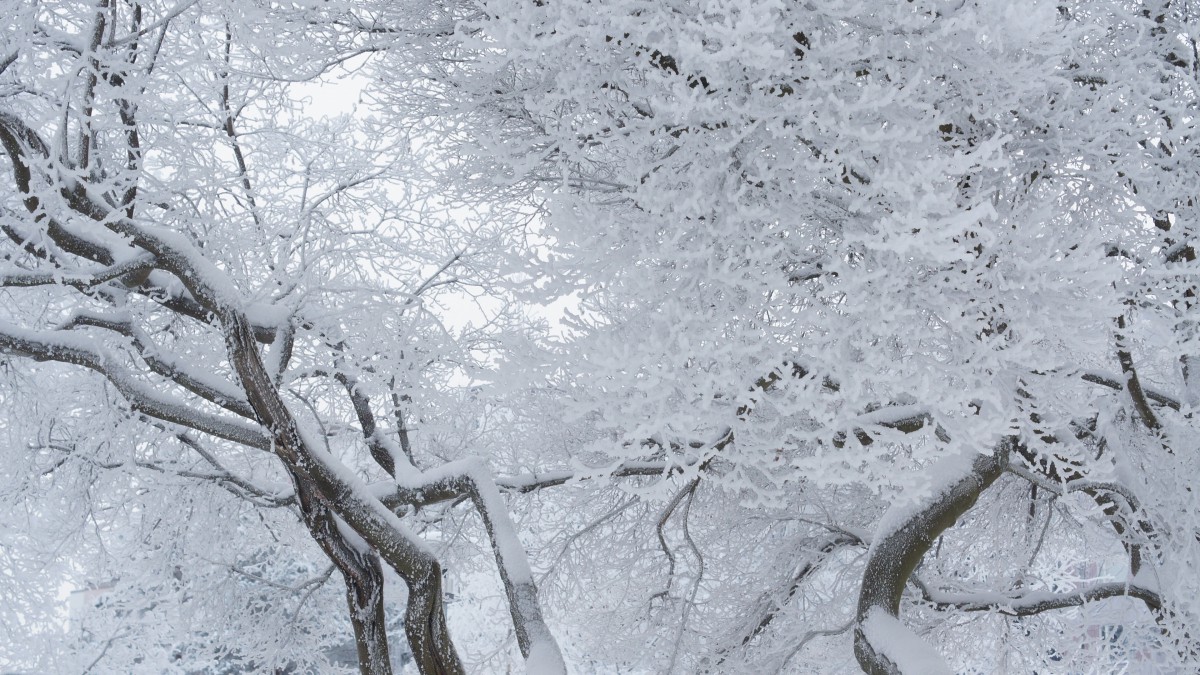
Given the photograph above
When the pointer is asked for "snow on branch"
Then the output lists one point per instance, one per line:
(83, 281)
(466, 479)
(76, 350)
(209, 387)
(769, 606)
(1113, 382)
(1036, 602)
(896, 648)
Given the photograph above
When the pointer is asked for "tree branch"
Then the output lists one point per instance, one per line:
(906, 534)
(42, 346)
(1031, 603)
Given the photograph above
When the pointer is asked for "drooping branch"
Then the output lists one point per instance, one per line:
(536, 642)
(52, 346)
(470, 479)
(1123, 514)
(660, 531)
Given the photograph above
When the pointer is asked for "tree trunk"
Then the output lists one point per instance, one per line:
(362, 573)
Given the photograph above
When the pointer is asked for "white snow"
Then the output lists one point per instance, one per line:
(897, 643)
(544, 659)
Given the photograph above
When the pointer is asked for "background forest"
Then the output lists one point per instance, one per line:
(598, 336)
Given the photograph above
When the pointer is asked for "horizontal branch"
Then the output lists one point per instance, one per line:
(133, 266)
(906, 419)
(1034, 602)
(437, 491)
(1112, 382)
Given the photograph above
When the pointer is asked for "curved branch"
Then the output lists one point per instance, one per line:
(904, 536)
(361, 571)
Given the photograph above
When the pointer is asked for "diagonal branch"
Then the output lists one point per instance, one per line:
(224, 475)
(769, 607)
(213, 390)
(1132, 384)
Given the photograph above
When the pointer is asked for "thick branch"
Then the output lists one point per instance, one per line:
(904, 537)
(362, 573)
(537, 644)
(425, 621)
(139, 264)
(381, 452)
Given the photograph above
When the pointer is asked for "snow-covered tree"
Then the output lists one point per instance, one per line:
(255, 292)
(894, 298)
(878, 340)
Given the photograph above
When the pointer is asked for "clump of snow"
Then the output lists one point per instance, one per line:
(891, 639)
(544, 659)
